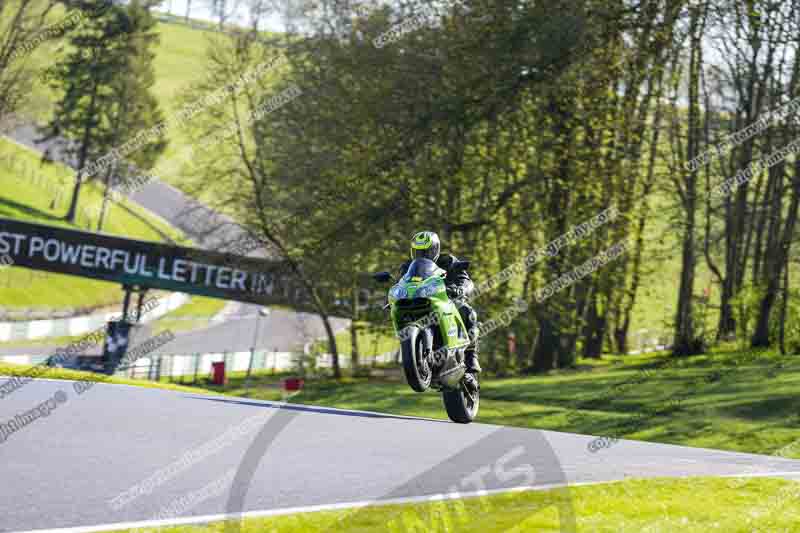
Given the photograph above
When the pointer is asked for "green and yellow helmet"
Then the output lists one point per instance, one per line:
(425, 244)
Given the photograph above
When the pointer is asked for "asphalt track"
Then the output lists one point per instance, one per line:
(69, 469)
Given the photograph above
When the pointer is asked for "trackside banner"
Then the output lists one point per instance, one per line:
(148, 264)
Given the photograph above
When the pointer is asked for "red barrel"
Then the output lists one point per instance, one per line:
(292, 384)
(218, 371)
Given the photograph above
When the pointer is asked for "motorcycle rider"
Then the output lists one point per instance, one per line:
(459, 286)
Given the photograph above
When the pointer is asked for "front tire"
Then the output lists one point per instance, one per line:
(416, 368)
(461, 404)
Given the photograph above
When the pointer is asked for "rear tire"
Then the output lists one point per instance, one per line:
(461, 405)
(417, 370)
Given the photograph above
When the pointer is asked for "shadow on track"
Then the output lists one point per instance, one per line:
(319, 410)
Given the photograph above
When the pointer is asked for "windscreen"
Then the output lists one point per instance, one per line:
(421, 268)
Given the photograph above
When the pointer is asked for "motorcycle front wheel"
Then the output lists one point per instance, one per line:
(415, 366)
(462, 403)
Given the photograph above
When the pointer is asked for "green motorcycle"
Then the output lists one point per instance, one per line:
(433, 337)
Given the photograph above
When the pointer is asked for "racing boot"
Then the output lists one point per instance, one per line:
(471, 359)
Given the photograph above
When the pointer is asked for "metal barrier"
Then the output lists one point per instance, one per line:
(192, 368)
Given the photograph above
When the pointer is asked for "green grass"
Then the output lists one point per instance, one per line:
(194, 315)
(30, 192)
(201, 308)
(9, 369)
(47, 341)
(746, 410)
(263, 384)
(180, 59)
(691, 505)
(749, 407)
(370, 342)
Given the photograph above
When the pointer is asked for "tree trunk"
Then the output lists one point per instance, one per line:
(221, 7)
(106, 195)
(784, 306)
(775, 262)
(566, 353)
(621, 333)
(354, 356)
(684, 321)
(546, 347)
(726, 329)
(73, 203)
(337, 371)
(761, 335)
(82, 156)
(594, 331)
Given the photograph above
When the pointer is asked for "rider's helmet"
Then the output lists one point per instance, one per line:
(425, 244)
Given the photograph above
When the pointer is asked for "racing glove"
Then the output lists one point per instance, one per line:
(455, 292)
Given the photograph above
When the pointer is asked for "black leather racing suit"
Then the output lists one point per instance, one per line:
(460, 280)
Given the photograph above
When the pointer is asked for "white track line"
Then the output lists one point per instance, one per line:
(306, 509)
(764, 474)
(350, 505)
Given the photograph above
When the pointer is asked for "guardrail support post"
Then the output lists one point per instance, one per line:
(126, 302)
(142, 293)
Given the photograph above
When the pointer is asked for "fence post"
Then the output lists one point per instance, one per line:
(196, 367)
(250, 363)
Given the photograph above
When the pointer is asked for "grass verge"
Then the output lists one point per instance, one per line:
(729, 400)
(689, 505)
(370, 342)
(194, 315)
(40, 193)
(8, 369)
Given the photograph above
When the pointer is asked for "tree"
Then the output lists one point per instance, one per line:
(104, 85)
(686, 184)
(748, 227)
(136, 108)
(502, 127)
(22, 25)
(220, 9)
(505, 155)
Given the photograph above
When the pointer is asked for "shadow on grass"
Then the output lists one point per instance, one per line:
(763, 409)
(746, 408)
(146, 222)
(8, 207)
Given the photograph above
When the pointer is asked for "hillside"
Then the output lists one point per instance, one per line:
(39, 192)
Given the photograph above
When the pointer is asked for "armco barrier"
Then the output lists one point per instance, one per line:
(69, 327)
(191, 365)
